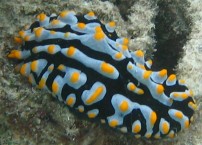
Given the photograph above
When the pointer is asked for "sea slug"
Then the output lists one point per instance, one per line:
(85, 65)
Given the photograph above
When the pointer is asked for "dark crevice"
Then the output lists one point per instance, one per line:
(172, 28)
(124, 7)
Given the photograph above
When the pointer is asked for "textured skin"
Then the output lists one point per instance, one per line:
(153, 111)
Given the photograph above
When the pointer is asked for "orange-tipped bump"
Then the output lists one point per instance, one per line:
(15, 54)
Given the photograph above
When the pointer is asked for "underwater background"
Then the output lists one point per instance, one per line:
(170, 29)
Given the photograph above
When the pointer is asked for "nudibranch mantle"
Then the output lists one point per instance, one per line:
(85, 65)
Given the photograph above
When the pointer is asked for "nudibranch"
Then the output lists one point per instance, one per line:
(85, 65)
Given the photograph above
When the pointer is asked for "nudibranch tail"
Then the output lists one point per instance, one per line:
(85, 65)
